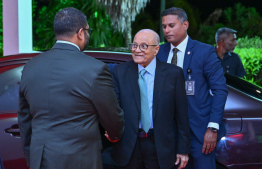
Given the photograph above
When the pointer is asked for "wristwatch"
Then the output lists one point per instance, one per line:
(213, 129)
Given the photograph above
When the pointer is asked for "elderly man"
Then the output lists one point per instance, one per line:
(226, 41)
(152, 95)
(64, 94)
(203, 72)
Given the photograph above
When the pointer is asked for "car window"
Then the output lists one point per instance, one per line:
(244, 86)
(9, 88)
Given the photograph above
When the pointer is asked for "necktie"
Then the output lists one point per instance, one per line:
(145, 115)
(174, 58)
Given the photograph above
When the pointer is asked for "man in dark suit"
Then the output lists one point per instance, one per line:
(205, 86)
(64, 94)
(156, 132)
(1, 164)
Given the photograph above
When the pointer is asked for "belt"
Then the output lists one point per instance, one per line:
(143, 134)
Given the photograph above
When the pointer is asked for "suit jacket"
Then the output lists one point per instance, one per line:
(207, 74)
(64, 94)
(169, 110)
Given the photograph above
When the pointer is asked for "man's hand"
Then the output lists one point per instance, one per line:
(182, 159)
(107, 136)
(210, 140)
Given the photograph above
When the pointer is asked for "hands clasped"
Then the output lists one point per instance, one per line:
(182, 159)
(107, 136)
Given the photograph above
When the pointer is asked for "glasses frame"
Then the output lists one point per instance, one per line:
(89, 30)
(131, 46)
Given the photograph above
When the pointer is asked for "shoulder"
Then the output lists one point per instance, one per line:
(125, 65)
(202, 51)
(165, 44)
(201, 45)
(233, 54)
(164, 47)
(168, 66)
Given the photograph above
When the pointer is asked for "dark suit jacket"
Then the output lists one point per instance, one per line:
(64, 94)
(207, 74)
(169, 110)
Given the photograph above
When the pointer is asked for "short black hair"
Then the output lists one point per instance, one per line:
(68, 21)
(181, 14)
(222, 31)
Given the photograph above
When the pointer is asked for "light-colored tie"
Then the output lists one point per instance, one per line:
(174, 58)
(145, 115)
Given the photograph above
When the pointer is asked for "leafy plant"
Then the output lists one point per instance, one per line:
(245, 42)
(103, 34)
(252, 61)
(246, 21)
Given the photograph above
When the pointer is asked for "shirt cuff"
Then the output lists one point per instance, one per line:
(214, 125)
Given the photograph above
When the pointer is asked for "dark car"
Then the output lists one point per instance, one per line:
(240, 148)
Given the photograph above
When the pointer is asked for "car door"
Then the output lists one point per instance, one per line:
(10, 142)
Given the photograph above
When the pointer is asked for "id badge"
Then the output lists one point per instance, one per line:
(190, 87)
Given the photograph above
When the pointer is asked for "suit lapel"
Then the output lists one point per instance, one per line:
(188, 56)
(160, 76)
(133, 80)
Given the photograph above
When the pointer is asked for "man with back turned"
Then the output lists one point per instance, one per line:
(64, 95)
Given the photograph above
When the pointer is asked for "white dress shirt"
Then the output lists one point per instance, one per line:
(180, 54)
(62, 41)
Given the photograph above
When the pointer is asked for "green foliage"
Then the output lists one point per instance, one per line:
(252, 61)
(103, 34)
(246, 21)
(250, 52)
(208, 33)
(255, 42)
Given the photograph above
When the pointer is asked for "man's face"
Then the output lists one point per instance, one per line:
(144, 57)
(175, 31)
(230, 42)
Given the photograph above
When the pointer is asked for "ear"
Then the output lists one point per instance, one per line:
(220, 43)
(156, 50)
(80, 34)
(185, 25)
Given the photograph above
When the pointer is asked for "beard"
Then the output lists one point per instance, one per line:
(86, 41)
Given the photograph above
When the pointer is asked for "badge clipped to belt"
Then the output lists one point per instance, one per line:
(190, 84)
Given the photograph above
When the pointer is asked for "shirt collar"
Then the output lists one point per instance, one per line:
(182, 46)
(67, 42)
(151, 68)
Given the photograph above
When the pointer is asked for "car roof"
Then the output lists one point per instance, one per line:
(13, 61)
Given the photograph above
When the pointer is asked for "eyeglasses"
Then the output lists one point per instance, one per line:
(142, 47)
(89, 30)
